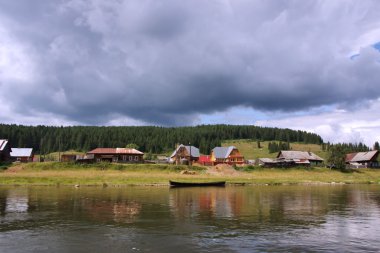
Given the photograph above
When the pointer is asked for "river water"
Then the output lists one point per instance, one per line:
(333, 218)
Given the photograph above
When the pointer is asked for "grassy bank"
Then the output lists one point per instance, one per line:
(150, 174)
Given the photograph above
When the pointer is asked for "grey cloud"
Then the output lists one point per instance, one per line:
(165, 62)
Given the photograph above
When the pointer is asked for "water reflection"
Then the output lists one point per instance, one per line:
(267, 218)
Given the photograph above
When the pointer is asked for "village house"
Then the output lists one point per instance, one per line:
(271, 163)
(22, 155)
(121, 155)
(368, 159)
(229, 155)
(183, 154)
(5, 151)
(69, 157)
(300, 157)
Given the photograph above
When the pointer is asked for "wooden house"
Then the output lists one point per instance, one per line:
(301, 157)
(183, 154)
(5, 151)
(69, 157)
(121, 155)
(273, 163)
(370, 159)
(22, 155)
(229, 155)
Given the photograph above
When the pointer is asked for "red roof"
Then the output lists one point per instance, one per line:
(204, 158)
(350, 156)
(115, 151)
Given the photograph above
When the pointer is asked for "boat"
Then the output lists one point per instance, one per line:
(188, 184)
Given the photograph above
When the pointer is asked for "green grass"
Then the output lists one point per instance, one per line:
(249, 148)
(4, 165)
(62, 166)
(54, 173)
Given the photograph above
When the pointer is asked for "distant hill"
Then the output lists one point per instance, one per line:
(47, 139)
(249, 148)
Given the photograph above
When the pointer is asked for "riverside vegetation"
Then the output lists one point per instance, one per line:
(253, 142)
(106, 174)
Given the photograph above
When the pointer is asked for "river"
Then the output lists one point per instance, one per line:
(328, 218)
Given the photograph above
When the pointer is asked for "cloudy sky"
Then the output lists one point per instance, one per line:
(312, 65)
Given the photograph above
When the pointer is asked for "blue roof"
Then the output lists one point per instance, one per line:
(223, 152)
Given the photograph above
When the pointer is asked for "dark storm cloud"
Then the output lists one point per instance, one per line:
(165, 62)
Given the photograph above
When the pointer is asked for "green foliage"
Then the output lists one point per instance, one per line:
(4, 165)
(48, 139)
(249, 168)
(132, 145)
(337, 157)
(376, 146)
(274, 147)
(258, 144)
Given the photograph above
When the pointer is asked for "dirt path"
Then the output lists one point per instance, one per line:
(14, 169)
(223, 170)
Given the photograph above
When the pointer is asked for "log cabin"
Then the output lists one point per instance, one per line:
(183, 154)
(370, 159)
(22, 155)
(121, 155)
(300, 157)
(229, 155)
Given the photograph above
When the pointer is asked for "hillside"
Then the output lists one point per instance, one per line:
(153, 139)
(250, 150)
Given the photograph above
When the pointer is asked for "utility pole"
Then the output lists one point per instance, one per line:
(59, 149)
(41, 141)
(190, 154)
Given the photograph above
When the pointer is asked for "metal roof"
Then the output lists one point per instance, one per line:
(361, 156)
(3, 143)
(194, 151)
(115, 151)
(302, 155)
(223, 152)
(21, 152)
(266, 160)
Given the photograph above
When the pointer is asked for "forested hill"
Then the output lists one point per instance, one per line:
(46, 139)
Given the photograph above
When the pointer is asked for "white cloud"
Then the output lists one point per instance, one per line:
(337, 126)
(173, 63)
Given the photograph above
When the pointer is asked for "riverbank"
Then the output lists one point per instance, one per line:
(151, 174)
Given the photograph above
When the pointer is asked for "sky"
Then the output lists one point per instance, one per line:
(312, 65)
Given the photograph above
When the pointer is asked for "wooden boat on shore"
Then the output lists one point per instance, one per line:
(189, 184)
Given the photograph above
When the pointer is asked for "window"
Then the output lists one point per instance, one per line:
(136, 158)
(131, 158)
(124, 157)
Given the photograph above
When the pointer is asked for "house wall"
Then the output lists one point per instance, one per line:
(120, 158)
(315, 163)
(182, 153)
(23, 159)
(68, 158)
(5, 155)
(236, 160)
(212, 157)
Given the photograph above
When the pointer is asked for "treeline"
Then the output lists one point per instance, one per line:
(274, 147)
(346, 147)
(46, 139)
